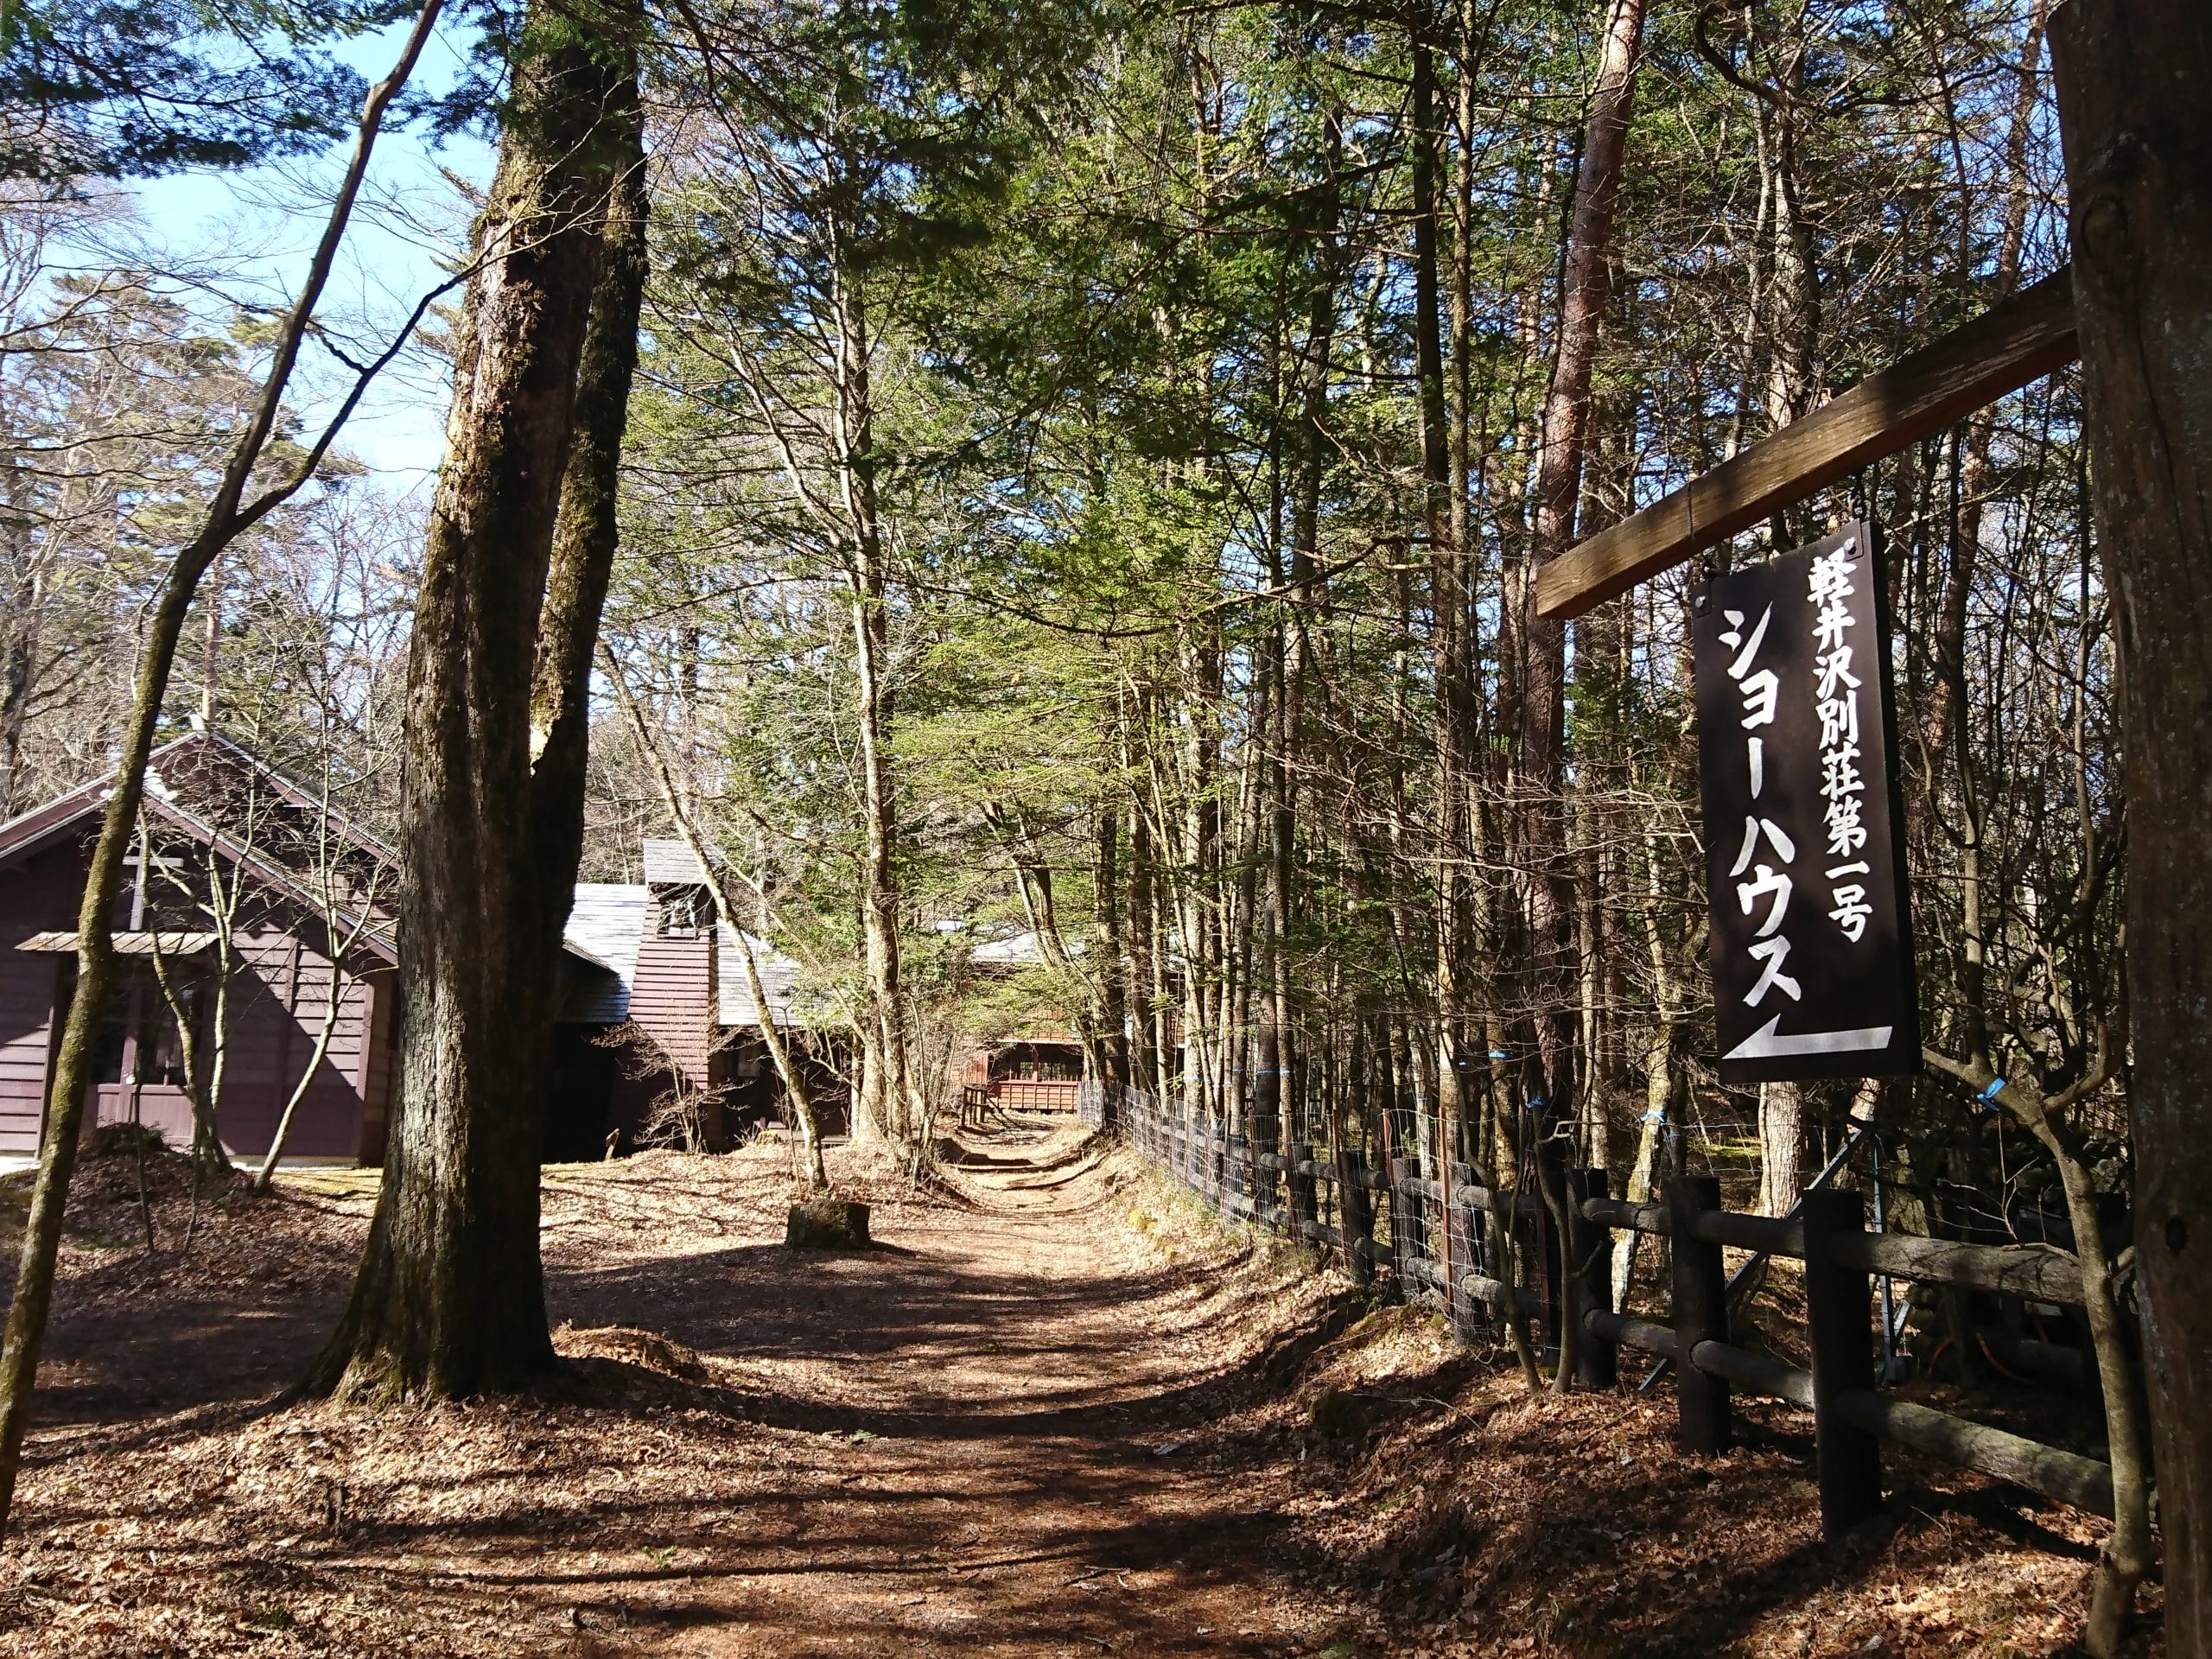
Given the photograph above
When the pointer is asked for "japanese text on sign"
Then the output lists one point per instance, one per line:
(1812, 958)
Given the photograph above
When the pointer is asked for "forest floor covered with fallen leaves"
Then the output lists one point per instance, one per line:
(1058, 1411)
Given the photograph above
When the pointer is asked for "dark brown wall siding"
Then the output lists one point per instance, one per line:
(376, 1113)
(275, 1015)
(671, 996)
(630, 1105)
(36, 895)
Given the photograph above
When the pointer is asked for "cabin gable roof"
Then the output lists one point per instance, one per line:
(671, 863)
(171, 772)
(606, 923)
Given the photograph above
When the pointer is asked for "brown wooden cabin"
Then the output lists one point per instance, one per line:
(647, 1009)
(1041, 1069)
(208, 803)
(672, 1013)
(1035, 1073)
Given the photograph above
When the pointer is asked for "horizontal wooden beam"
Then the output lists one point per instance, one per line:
(2033, 1272)
(2056, 1473)
(2021, 339)
(1501, 1298)
(2066, 1476)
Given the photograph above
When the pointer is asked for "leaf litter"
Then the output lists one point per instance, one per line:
(1063, 1412)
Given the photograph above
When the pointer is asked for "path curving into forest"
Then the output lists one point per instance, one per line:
(1006, 1415)
(1056, 1411)
(998, 1433)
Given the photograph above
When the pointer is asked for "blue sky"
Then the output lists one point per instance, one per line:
(260, 226)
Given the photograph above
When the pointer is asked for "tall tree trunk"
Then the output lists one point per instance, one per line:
(886, 1106)
(1201, 694)
(1781, 1134)
(2135, 114)
(1109, 951)
(1442, 517)
(1658, 1069)
(229, 515)
(19, 660)
(449, 1300)
(1295, 651)
(1143, 1006)
(1558, 482)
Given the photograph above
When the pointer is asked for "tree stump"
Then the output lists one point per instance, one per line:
(827, 1225)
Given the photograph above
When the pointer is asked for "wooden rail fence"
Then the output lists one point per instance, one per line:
(1440, 1235)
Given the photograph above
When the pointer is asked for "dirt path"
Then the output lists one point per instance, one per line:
(1004, 1456)
(1056, 1412)
(994, 1434)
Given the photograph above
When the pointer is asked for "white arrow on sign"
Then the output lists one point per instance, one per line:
(1768, 1043)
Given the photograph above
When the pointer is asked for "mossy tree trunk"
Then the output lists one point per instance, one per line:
(449, 1300)
(230, 514)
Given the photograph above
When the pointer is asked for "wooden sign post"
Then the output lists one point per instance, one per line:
(2022, 339)
(1812, 957)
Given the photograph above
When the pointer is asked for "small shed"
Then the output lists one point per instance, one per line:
(669, 1022)
(1039, 1065)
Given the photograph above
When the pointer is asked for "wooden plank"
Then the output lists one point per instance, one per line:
(1700, 1308)
(1589, 1264)
(1849, 1459)
(2038, 1273)
(1500, 1298)
(2066, 1476)
(1618, 1212)
(2022, 339)
(1623, 1331)
(1773, 1235)
(1760, 1373)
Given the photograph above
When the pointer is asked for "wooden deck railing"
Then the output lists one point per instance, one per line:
(1035, 1094)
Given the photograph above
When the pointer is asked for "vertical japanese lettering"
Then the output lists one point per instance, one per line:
(1835, 702)
(1812, 944)
(1761, 691)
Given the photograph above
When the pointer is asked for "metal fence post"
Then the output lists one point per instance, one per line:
(1699, 1285)
(1849, 1460)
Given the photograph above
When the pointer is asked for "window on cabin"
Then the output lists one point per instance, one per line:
(161, 1047)
(679, 918)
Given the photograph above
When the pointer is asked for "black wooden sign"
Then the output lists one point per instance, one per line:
(1812, 936)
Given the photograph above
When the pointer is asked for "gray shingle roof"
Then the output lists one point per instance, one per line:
(605, 922)
(670, 862)
(1022, 950)
(604, 925)
(778, 977)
